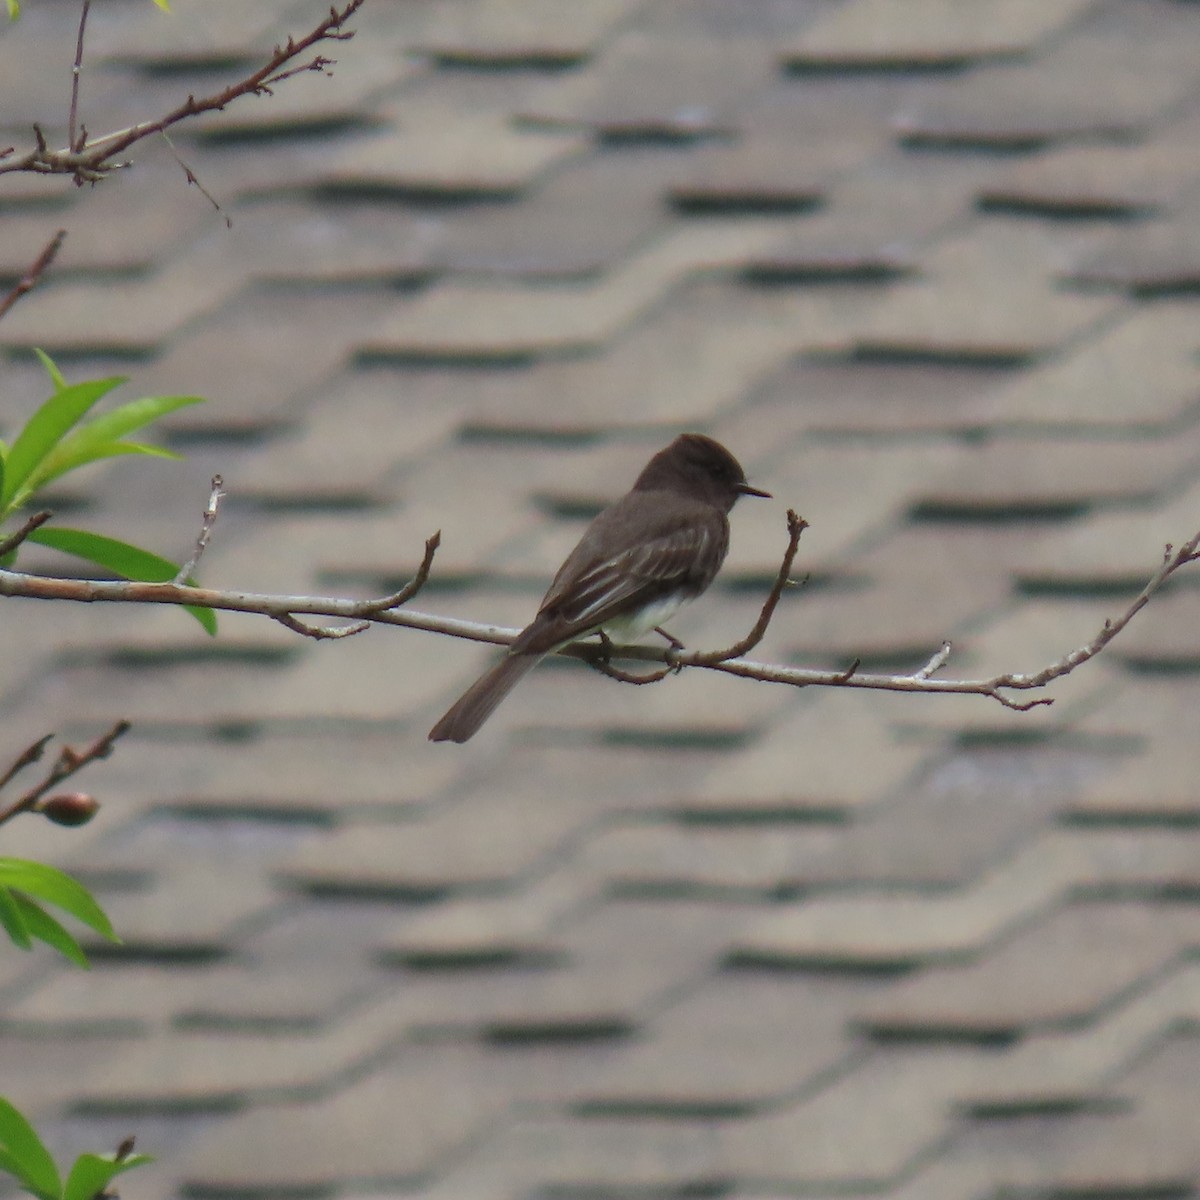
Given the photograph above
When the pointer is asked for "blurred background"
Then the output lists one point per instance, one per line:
(932, 271)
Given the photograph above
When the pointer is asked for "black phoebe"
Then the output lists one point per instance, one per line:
(637, 563)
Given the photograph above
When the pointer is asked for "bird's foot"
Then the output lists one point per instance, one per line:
(673, 649)
(606, 647)
(676, 644)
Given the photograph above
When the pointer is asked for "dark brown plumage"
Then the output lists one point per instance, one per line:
(642, 558)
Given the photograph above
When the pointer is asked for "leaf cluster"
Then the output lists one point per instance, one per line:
(64, 435)
(25, 920)
(14, 7)
(25, 887)
(57, 440)
(24, 1156)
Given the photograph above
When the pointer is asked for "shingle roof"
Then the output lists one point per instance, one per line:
(930, 270)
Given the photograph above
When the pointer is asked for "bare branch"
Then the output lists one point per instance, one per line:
(385, 611)
(210, 519)
(320, 65)
(413, 586)
(33, 276)
(76, 143)
(320, 632)
(68, 763)
(87, 160)
(1172, 561)
(603, 662)
(796, 526)
(1020, 705)
(606, 668)
(14, 539)
(194, 179)
(27, 757)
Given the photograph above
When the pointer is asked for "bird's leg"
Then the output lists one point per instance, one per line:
(673, 648)
(606, 646)
(676, 644)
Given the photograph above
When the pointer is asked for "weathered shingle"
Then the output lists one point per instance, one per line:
(929, 270)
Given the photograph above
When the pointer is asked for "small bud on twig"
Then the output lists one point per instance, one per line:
(69, 808)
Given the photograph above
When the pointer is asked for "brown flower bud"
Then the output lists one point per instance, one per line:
(70, 808)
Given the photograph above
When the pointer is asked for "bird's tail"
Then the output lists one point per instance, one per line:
(479, 701)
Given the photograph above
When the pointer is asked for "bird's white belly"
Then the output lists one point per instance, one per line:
(628, 629)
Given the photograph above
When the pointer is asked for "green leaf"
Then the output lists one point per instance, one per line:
(56, 887)
(23, 1155)
(56, 376)
(14, 9)
(10, 1164)
(136, 414)
(164, 5)
(13, 921)
(44, 430)
(92, 1173)
(100, 438)
(130, 562)
(45, 928)
(54, 465)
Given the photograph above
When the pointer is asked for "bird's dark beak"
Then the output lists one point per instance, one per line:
(745, 489)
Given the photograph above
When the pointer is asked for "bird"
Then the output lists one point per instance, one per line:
(639, 561)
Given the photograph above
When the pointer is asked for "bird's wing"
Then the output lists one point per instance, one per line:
(590, 592)
(651, 569)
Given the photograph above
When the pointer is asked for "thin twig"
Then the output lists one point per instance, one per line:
(849, 673)
(27, 757)
(14, 539)
(320, 632)
(606, 668)
(194, 180)
(76, 143)
(796, 526)
(91, 159)
(935, 664)
(1172, 561)
(68, 763)
(413, 586)
(369, 608)
(1020, 705)
(603, 662)
(33, 276)
(320, 65)
(206, 527)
